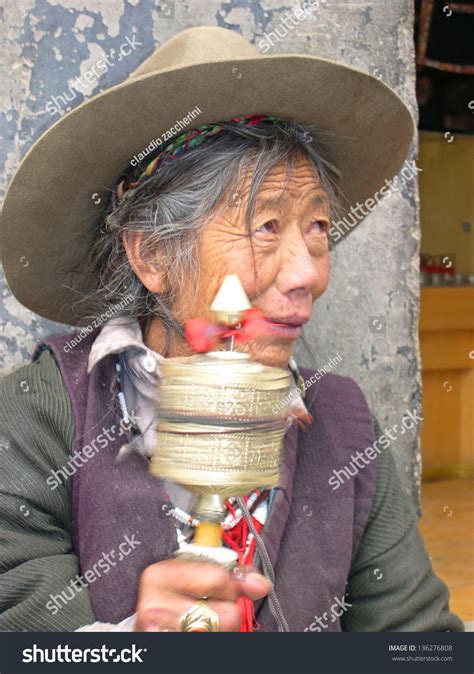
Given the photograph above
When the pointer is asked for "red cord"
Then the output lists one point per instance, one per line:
(236, 538)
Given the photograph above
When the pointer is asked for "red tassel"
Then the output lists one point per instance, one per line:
(204, 336)
(201, 335)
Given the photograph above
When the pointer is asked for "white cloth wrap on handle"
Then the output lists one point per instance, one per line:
(126, 625)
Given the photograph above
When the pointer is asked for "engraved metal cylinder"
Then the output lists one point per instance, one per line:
(220, 423)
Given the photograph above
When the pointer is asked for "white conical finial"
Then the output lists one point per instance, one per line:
(231, 301)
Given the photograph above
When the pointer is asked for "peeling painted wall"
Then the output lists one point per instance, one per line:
(369, 314)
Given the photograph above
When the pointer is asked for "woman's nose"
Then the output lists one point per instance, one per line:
(298, 268)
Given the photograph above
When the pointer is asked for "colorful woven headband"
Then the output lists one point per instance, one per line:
(180, 145)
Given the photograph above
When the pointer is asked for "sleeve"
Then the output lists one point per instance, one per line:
(37, 561)
(392, 586)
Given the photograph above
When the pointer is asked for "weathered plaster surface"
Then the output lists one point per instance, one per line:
(47, 44)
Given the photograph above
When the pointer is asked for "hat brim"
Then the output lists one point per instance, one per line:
(62, 183)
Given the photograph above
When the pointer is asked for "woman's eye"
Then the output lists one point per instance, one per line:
(269, 227)
(321, 226)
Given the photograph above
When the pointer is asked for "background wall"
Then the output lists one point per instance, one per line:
(447, 197)
(369, 314)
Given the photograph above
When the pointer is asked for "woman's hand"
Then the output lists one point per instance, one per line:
(168, 589)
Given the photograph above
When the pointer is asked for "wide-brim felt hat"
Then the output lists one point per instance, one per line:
(59, 189)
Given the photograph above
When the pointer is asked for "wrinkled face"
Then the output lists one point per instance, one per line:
(283, 265)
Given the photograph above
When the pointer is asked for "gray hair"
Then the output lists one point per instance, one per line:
(172, 206)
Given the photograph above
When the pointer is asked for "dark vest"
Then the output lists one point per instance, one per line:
(311, 534)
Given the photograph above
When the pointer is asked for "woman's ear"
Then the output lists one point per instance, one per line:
(147, 265)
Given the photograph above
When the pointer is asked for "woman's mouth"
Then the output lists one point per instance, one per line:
(287, 330)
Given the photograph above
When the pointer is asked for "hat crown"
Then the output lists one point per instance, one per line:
(195, 45)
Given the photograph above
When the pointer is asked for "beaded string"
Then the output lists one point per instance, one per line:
(230, 521)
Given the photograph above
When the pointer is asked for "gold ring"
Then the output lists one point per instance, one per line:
(199, 618)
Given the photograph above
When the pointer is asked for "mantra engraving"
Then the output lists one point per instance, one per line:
(228, 402)
(215, 452)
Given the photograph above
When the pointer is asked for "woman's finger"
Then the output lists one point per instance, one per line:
(166, 612)
(198, 579)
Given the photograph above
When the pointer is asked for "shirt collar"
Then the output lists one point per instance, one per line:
(118, 335)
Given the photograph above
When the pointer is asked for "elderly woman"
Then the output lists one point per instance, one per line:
(283, 146)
